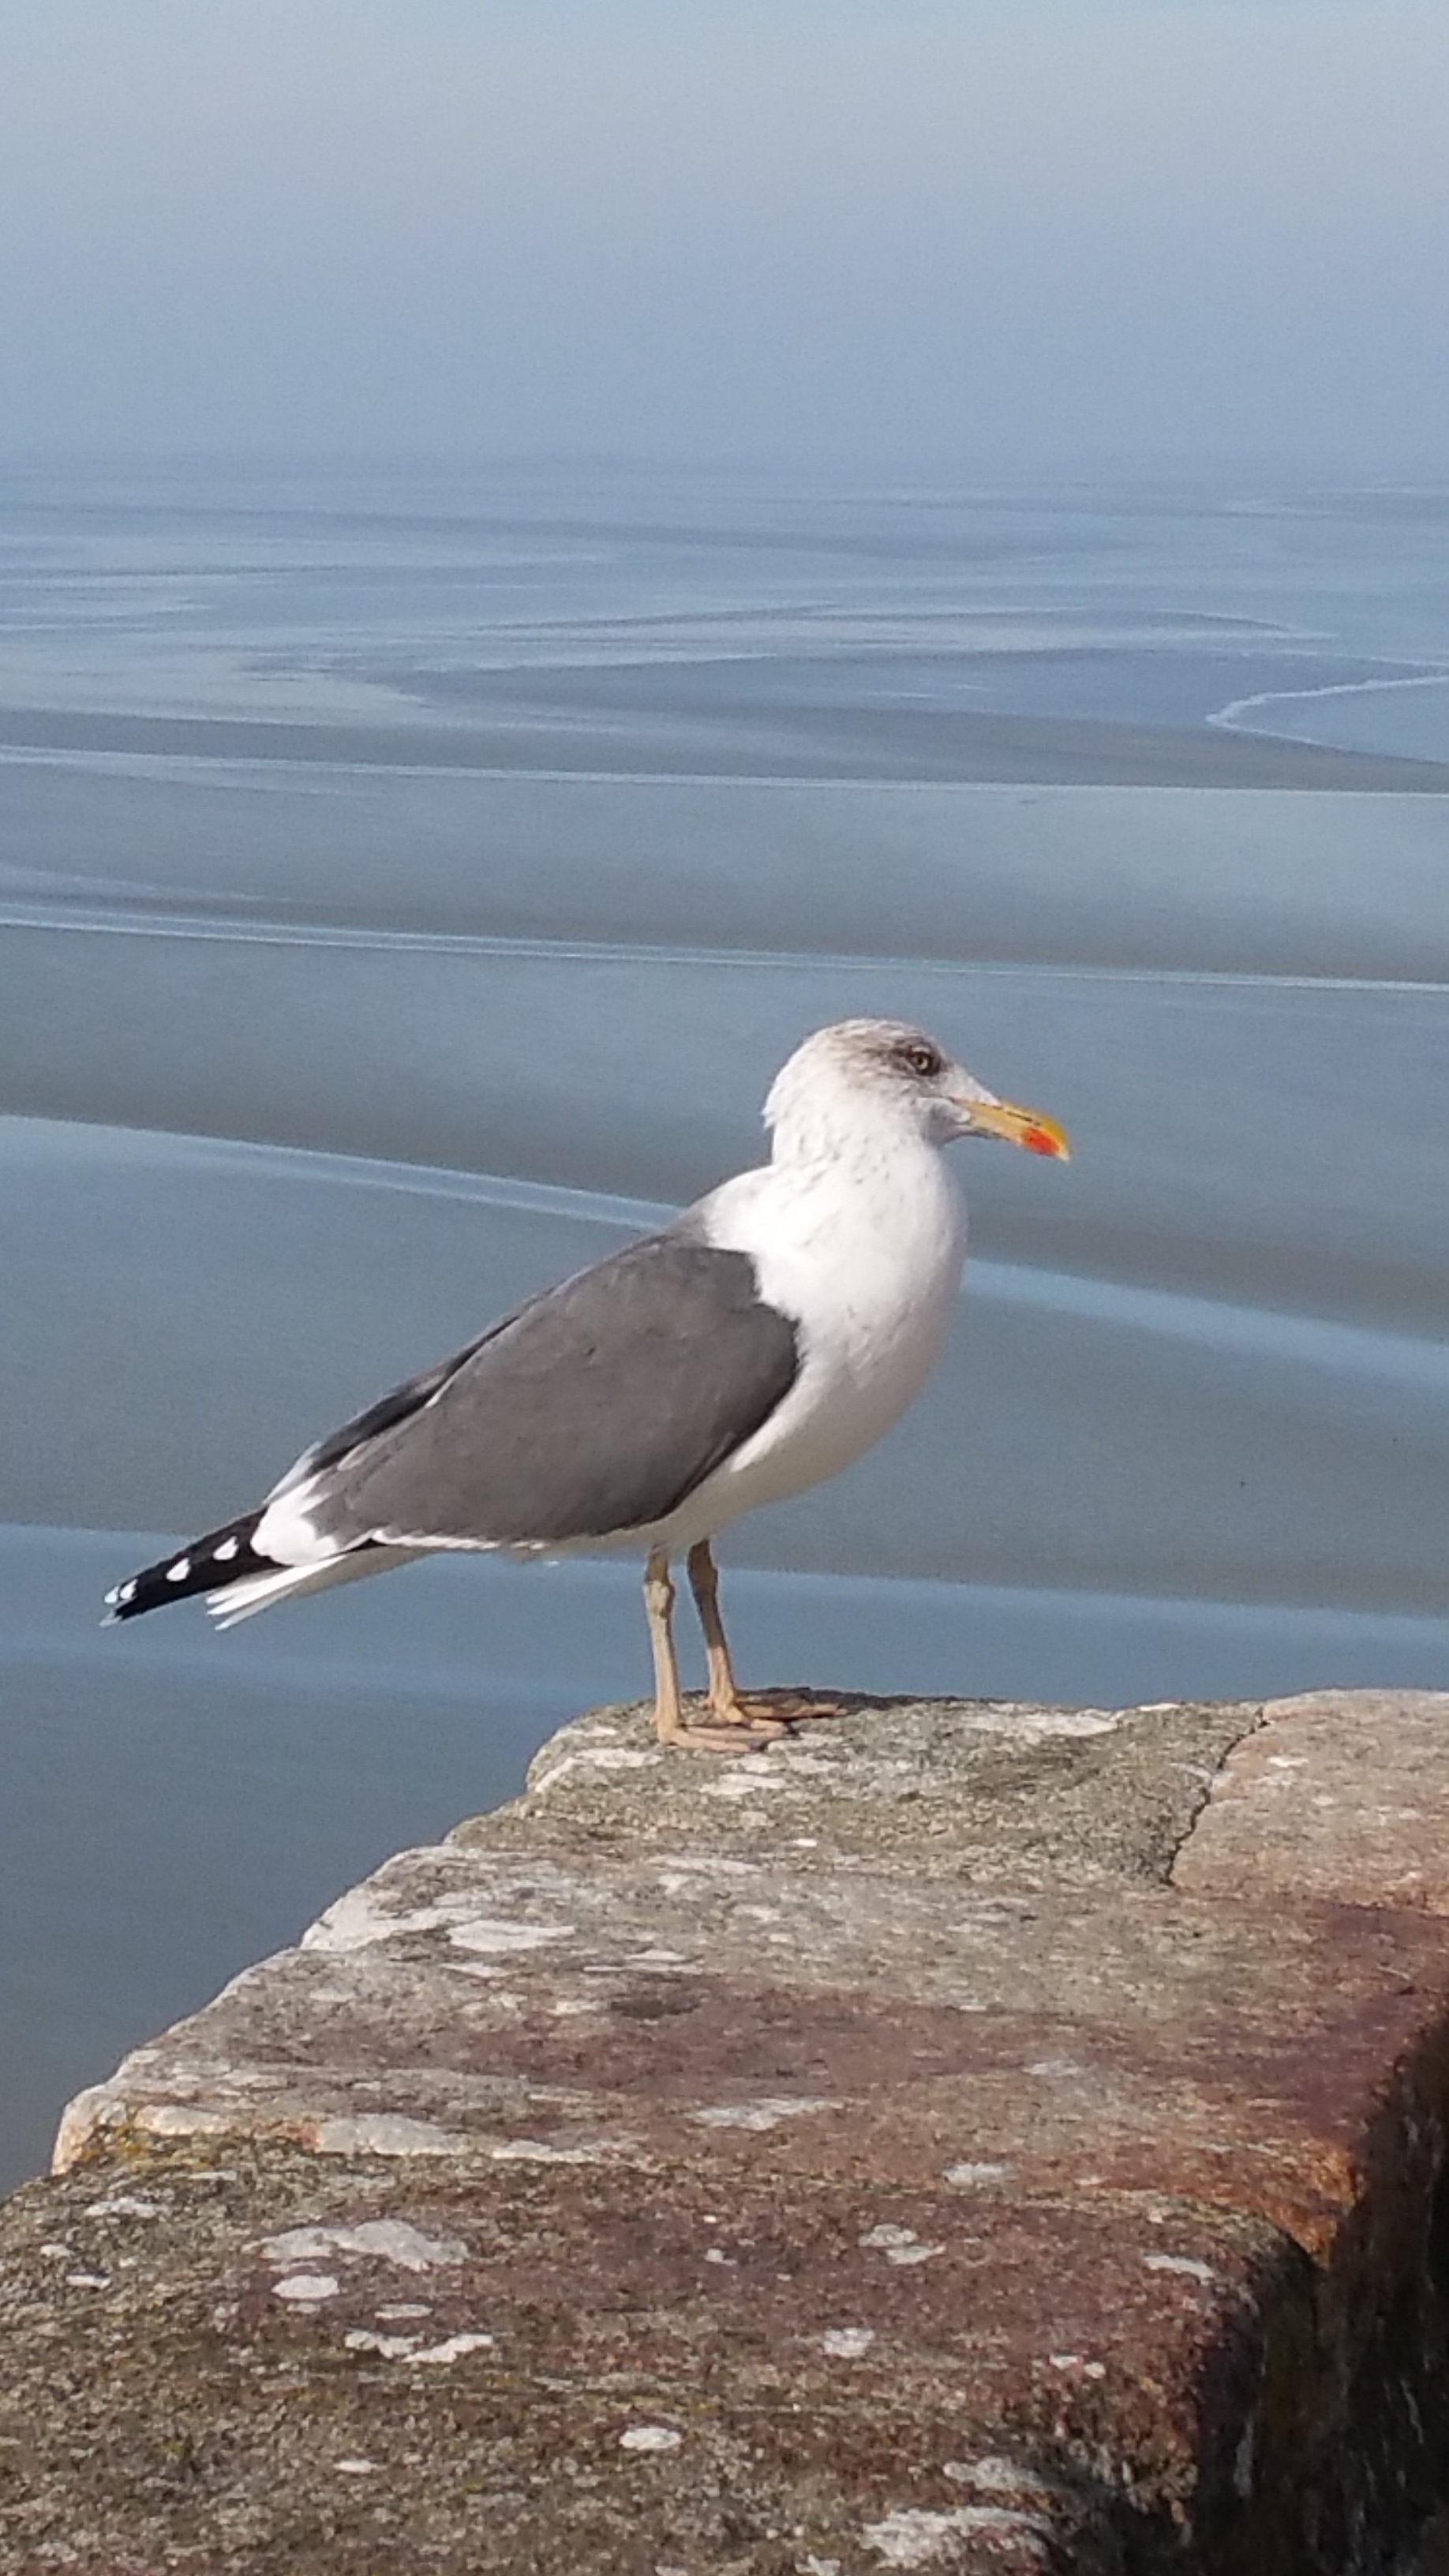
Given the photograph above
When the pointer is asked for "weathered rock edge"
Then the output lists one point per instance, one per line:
(961, 2137)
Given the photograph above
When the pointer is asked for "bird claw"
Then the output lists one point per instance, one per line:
(720, 1726)
(729, 1735)
(783, 1710)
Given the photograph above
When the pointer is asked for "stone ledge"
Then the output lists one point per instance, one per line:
(1343, 1795)
(963, 2137)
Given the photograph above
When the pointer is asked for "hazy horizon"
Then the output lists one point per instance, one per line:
(914, 472)
(1140, 232)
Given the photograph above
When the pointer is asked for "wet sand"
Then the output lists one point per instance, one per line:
(332, 1032)
(611, 738)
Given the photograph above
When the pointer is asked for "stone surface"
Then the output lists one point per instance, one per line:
(1344, 1795)
(957, 2137)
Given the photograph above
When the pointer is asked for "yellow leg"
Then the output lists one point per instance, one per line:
(770, 1713)
(669, 1718)
(725, 1702)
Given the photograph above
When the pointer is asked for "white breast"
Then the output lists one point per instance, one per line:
(866, 1259)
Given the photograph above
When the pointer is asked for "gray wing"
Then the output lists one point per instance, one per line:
(595, 1410)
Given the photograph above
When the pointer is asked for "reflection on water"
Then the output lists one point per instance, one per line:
(391, 964)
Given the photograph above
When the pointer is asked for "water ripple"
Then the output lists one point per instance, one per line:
(262, 933)
(1286, 1337)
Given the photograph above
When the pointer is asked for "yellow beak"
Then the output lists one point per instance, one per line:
(1028, 1127)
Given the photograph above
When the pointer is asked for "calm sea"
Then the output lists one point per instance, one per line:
(413, 878)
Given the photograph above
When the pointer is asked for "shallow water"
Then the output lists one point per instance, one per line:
(413, 882)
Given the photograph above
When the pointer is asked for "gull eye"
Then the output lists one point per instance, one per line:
(919, 1057)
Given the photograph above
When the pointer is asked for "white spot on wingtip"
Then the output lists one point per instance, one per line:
(178, 1572)
(229, 1548)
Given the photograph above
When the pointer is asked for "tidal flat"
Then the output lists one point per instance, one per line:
(411, 883)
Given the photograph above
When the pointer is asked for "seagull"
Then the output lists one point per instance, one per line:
(754, 1346)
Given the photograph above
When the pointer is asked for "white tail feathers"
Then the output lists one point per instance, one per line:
(259, 1591)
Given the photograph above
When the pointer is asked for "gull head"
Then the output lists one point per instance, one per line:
(886, 1075)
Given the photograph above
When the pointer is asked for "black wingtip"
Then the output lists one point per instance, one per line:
(121, 1601)
(210, 1564)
